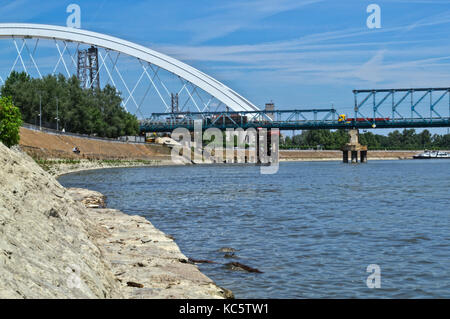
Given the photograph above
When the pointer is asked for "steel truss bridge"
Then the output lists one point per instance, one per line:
(150, 81)
(382, 114)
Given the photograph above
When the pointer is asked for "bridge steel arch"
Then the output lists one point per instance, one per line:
(205, 82)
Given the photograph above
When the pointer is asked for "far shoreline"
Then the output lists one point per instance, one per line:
(57, 167)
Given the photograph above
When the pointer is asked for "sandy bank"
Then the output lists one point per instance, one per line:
(310, 155)
(55, 147)
(49, 146)
(54, 153)
(52, 246)
(58, 167)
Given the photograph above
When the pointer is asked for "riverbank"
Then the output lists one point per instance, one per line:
(56, 243)
(58, 167)
(54, 153)
(97, 153)
(311, 155)
(46, 146)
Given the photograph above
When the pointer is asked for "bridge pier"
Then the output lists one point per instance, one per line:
(363, 156)
(354, 156)
(267, 146)
(358, 152)
(344, 156)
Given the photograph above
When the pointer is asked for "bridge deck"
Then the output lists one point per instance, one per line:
(283, 120)
(414, 102)
(301, 125)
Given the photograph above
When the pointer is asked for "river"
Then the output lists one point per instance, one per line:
(312, 229)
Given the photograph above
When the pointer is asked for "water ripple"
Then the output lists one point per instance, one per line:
(313, 228)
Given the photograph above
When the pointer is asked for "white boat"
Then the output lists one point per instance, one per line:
(432, 155)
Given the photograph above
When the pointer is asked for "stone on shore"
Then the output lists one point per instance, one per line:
(146, 262)
(46, 246)
(157, 264)
(90, 199)
(52, 246)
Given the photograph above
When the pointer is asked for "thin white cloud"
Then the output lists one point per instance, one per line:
(236, 15)
(371, 71)
(350, 55)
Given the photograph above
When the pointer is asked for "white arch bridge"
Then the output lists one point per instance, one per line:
(148, 80)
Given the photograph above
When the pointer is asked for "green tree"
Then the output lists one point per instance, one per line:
(425, 139)
(98, 112)
(406, 140)
(10, 122)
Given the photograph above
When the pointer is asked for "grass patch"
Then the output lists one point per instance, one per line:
(117, 162)
(47, 164)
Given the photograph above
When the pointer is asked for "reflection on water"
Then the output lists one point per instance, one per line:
(313, 228)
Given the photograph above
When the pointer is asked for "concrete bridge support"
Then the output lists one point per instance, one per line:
(358, 152)
(267, 146)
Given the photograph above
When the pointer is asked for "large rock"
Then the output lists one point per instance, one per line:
(46, 246)
(146, 262)
(59, 243)
(90, 199)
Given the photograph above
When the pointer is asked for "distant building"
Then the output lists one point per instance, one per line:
(270, 107)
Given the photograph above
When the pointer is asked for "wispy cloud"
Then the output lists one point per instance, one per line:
(438, 19)
(233, 16)
(317, 59)
(371, 71)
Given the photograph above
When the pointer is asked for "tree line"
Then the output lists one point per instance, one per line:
(95, 112)
(409, 139)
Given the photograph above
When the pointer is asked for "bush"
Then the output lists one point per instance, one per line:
(10, 122)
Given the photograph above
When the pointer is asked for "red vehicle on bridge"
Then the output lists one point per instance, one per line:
(369, 119)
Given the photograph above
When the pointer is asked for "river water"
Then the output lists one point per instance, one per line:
(312, 229)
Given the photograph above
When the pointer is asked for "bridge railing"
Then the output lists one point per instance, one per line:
(387, 108)
(223, 120)
(360, 123)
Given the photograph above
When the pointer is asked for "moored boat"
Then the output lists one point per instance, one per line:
(432, 155)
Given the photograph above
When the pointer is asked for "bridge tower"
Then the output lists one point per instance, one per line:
(174, 100)
(88, 68)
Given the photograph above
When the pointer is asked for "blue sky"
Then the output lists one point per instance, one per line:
(298, 53)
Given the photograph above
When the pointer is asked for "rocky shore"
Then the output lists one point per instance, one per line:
(63, 243)
(146, 262)
(58, 167)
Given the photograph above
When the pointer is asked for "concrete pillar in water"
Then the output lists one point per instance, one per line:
(345, 156)
(363, 156)
(356, 150)
(354, 156)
